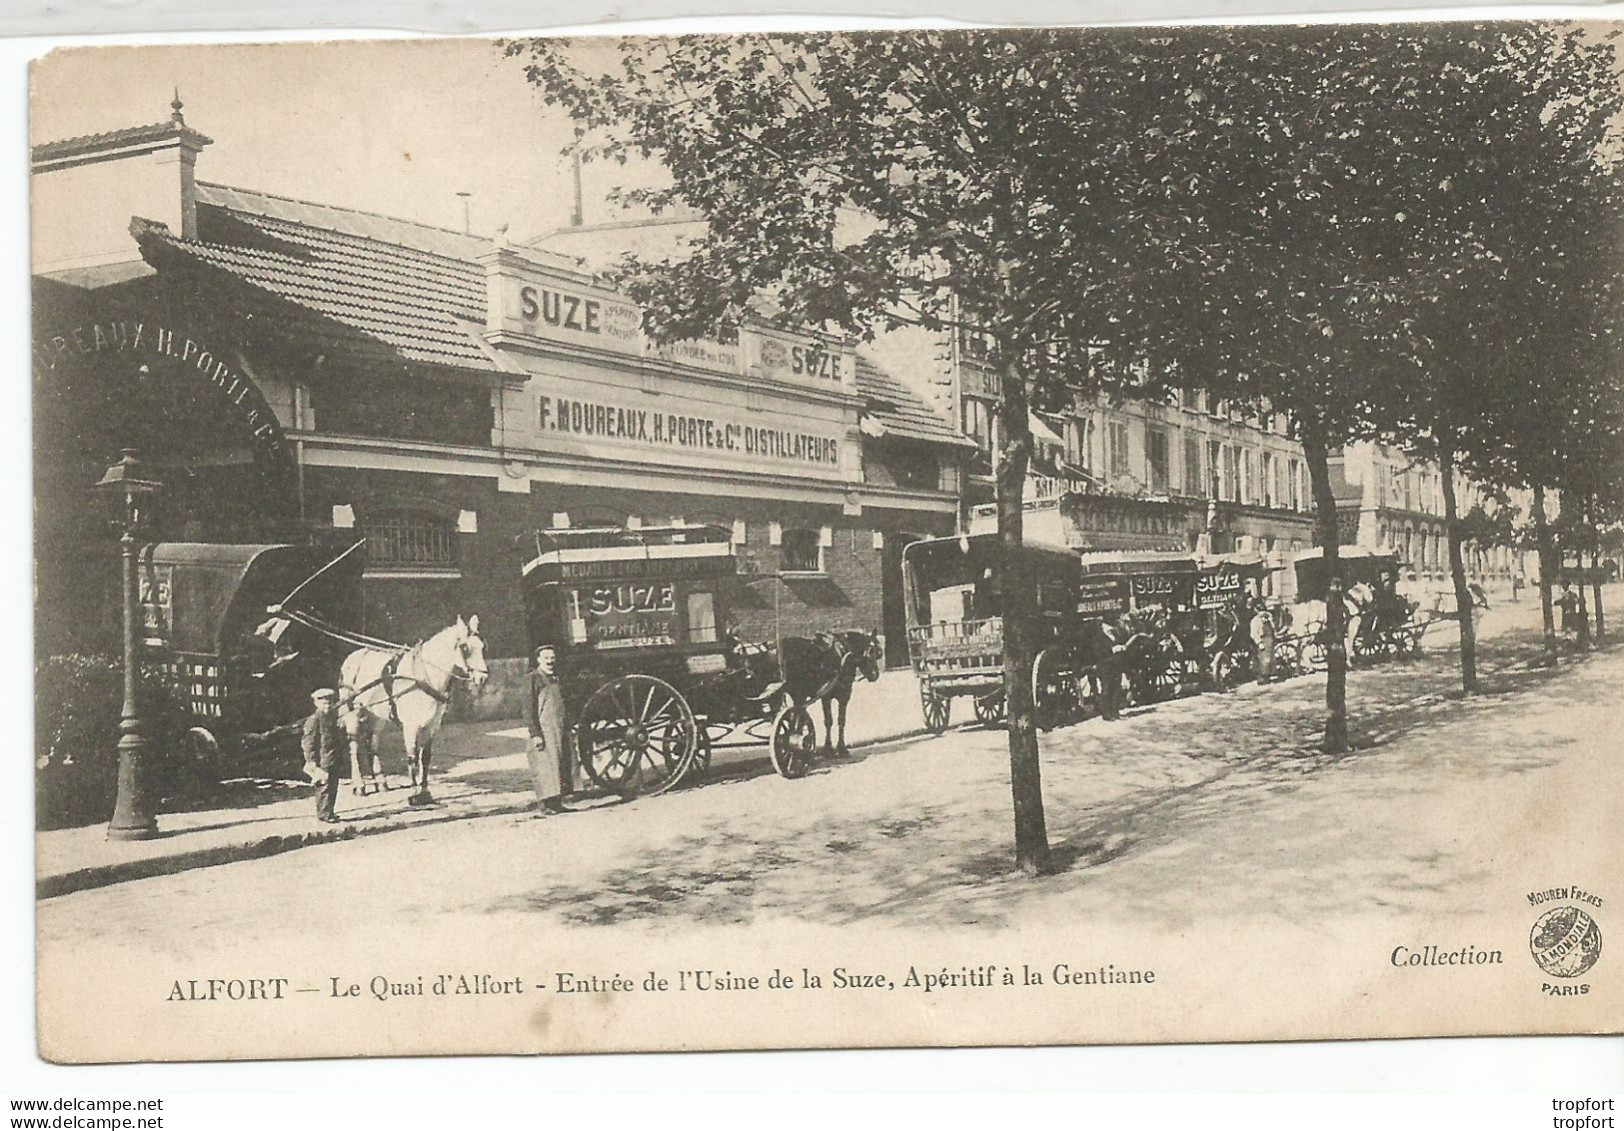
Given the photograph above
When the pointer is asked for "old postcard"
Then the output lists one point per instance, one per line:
(828, 540)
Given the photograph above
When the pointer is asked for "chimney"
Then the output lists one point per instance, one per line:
(84, 191)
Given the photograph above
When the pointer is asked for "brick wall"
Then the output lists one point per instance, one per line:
(848, 594)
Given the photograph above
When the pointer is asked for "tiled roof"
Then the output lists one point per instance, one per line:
(404, 295)
(900, 410)
(367, 225)
(408, 289)
(112, 139)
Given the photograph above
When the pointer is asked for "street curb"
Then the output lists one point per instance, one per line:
(105, 875)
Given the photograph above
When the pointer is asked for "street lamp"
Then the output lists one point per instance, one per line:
(133, 818)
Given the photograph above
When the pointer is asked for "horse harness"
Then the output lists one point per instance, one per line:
(391, 673)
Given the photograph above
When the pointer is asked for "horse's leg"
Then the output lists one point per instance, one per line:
(828, 725)
(845, 698)
(428, 753)
(410, 737)
(352, 738)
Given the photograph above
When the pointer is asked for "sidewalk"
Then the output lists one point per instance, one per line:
(479, 770)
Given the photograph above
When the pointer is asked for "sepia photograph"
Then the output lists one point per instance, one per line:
(848, 539)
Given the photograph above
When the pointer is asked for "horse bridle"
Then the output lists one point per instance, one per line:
(854, 656)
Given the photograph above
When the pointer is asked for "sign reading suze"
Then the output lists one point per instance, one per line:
(666, 429)
(628, 615)
(560, 308)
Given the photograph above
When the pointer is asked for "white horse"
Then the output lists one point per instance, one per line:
(411, 687)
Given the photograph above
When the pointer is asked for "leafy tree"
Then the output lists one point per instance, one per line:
(1001, 184)
(1500, 250)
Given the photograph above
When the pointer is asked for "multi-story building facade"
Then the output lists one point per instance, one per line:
(1190, 474)
(1389, 501)
(296, 370)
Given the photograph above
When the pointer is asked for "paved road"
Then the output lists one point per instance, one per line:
(1221, 798)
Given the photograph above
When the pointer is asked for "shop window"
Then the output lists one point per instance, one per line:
(409, 541)
(802, 551)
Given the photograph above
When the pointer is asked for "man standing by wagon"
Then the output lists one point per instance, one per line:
(550, 763)
(322, 741)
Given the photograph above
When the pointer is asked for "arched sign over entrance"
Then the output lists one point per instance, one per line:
(146, 343)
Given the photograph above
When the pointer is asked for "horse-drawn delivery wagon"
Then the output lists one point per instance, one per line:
(1381, 622)
(202, 605)
(953, 592)
(654, 678)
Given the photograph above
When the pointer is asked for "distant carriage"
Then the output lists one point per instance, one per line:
(1382, 622)
(654, 678)
(202, 606)
(954, 594)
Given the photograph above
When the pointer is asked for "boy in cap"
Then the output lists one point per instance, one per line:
(323, 741)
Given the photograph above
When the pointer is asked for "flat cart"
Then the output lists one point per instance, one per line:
(243, 690)
(654, 681)
(953, 593)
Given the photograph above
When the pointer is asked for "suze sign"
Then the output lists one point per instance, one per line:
(628, 615)
(805, 360)
(556, 312)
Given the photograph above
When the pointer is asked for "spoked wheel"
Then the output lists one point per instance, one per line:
(1054, 689)
(936, 710)
(702, 757)
(794, 742)
(990, 708)
(637, 736)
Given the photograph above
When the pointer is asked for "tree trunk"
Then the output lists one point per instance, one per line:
(1584, 609)
(1325, 527)
(1542, 551)
(1018, 597)
(1595, 566)
(1457, 569)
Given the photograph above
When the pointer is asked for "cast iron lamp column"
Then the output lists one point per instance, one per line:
(133, 818)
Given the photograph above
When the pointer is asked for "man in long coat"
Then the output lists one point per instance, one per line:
(322, 742)
(550, 763)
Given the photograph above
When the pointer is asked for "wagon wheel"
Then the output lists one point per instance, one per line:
(794, 742)
(1165, 676)
(202, 745)
(1416, 633)
(702, 756)
(1054, 690)
(990, 708)
(203, 757)
(637, 736)
(936, 710)
(1314, 653)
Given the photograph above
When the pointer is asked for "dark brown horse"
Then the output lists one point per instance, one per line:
(823, 668)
